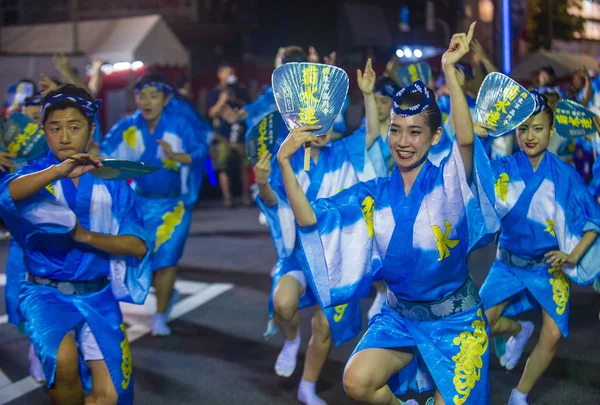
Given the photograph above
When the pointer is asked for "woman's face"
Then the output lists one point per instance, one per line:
(410, 139)
(534, 135)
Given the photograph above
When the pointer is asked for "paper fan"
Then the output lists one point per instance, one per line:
(573, 120)
(264, 136)
(409, 74)
(113, 169)
(503, 104)
(309, 94)
(23, 137)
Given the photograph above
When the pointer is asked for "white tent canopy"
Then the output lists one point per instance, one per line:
(564, 64)
(148, 39)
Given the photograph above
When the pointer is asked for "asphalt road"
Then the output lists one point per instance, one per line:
(217, 354)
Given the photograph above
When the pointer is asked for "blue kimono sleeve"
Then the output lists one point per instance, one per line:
(340, 247)
(594, 186)
(280, 217)
(35, 217)
(583, 215)
(196, 145)
(130, 277)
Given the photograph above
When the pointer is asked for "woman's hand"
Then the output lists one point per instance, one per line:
(262, 169)
(6, 161)
(459, 47)
(556, 257)
(366, 80)
(294, 141)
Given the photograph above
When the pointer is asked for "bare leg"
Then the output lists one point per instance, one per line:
(438, 400)
(318, 347)
(164, 282)
(286, 298)
(67, 388)
(103, 389)
(542, 354)
(367, 373)
(224, 186)
(500, 325)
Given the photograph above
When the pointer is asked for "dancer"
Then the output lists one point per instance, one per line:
(15, 264)
(433, 329)
(333, 168)
(549, 227)
(76, 231)
(170, 140)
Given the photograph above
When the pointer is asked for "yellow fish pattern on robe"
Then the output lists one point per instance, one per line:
(469, 360)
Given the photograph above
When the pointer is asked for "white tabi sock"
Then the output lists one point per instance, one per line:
(517, 398)
(286, 361)
(160, 328)
(307, 394)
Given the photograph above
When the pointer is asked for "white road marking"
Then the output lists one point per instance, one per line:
(4, 380)
(139, 317)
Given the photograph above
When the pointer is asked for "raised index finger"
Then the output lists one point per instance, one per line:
(471, 32)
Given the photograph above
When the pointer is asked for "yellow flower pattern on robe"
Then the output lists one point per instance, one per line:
(130, 137)
(126, 364)
(442, 243)
(339, 312)
(550, 227)
(501, 186)
(367, 207)
(170, 164)
(561, 288)
(170, 221)
(469, 361)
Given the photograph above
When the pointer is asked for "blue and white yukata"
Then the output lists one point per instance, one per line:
(541, 211)
(418, 244)
(166, 197)
(78, 282)
(335, 170)
(15, 271)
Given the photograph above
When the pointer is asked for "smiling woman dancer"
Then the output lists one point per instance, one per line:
(432, 333)
(549, 222)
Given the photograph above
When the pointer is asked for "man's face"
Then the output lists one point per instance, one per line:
(33, 112)
(151, 102)
(224, 73)
(544, 78)
(67, 132)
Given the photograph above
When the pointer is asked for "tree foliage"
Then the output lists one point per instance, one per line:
(564, 24)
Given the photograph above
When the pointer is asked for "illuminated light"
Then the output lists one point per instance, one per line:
(400, 53)
(121, 66)
(418, 53)
(408, 53)
(107, 69)
(137, 65)
(506, 37)
(486, 11)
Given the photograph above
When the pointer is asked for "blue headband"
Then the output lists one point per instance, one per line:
(386, 87)
(160, 86)
(540, 102)
(89, 108)
(35, 100)
(416, 87)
